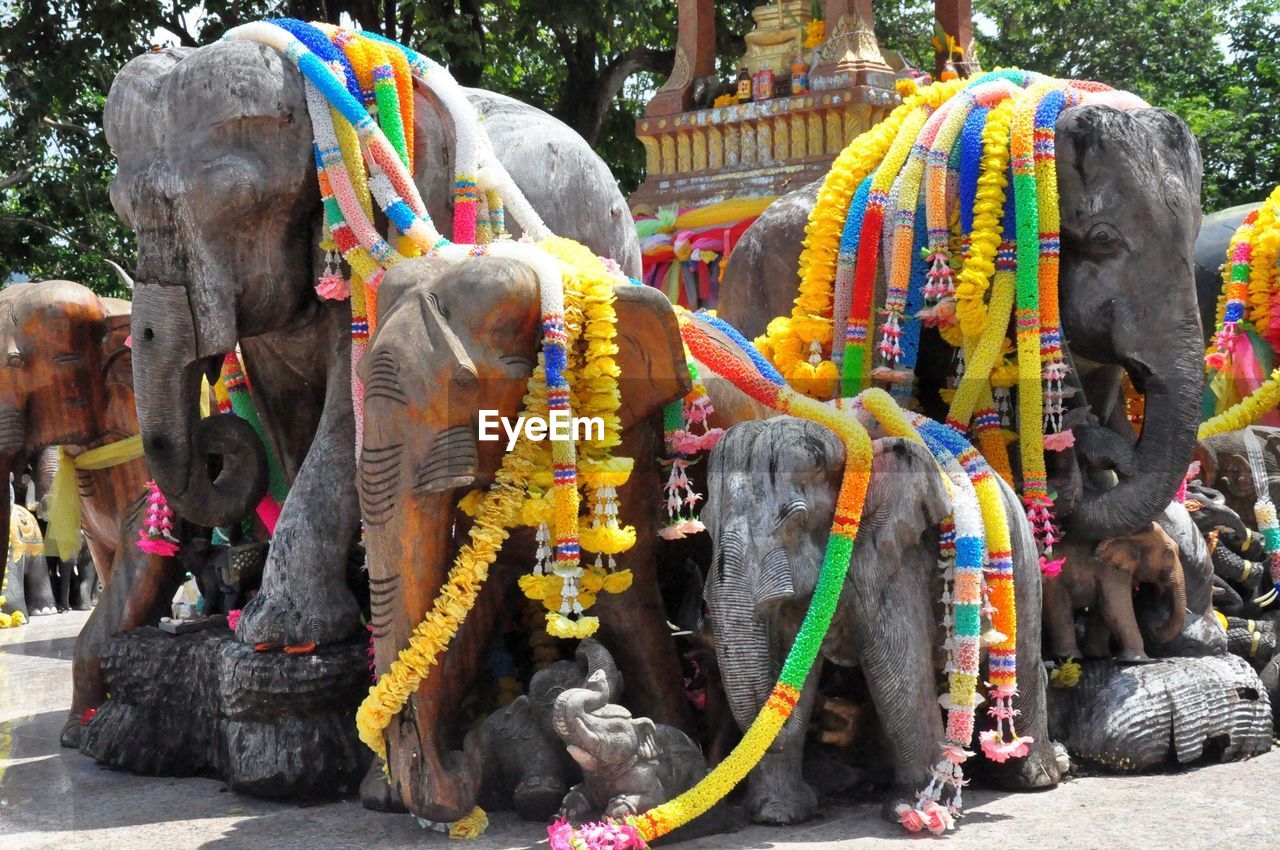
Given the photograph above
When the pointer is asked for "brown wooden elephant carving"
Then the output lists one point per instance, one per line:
(68, 381)
(453, 340)
(1101, 578)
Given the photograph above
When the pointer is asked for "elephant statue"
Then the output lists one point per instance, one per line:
(769, 511)
(1129, 186)
(69, 383)
(1101, 577)
(523, 764)
(224, 573)
(452, 340)
(1224, 467)
(1239, 557)
(26, 588)
(213, 144)
(629, 764)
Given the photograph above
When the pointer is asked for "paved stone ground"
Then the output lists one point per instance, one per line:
(56, 798)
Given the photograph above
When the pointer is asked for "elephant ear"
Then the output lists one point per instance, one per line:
(1121, 553)
(117, 362)
(647, 735)
(906, 494)
(650, 352)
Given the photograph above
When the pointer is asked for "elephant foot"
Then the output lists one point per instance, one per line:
(300, 614)
(375, 792)
(1039, 769)
(72, 732)
(538, 798)
(779, 801)
(43, 612)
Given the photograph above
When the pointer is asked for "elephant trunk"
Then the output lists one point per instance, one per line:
(743, 645)
(570, 716)
(1176, 584)
(1172, 385)
(592, 656)
(213, 471)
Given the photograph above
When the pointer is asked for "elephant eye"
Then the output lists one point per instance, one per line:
(795, 509)
(1105, 240)
(68, 358)
(518, 362)
(434, 301)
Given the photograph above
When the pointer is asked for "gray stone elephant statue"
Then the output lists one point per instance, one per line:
(769, 510)
(217, 178)
(629, 764)
(523, 764)
(1129, 185)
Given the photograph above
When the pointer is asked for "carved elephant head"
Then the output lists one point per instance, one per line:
(1151, 556)
(602, 737)
(1224, 466)
(66, 378)
(1210, 513)
(453, 340)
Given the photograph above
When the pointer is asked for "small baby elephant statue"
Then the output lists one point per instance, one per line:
(629, 764)
(1103, 580)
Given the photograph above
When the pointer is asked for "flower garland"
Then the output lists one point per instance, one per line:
(1249, 300)
(156, 535)
(1246, 412)
(686, 435)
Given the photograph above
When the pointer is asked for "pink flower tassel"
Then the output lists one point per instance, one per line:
(156, 536)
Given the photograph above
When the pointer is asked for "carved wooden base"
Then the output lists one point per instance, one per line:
(269, 724)
(1174, 711)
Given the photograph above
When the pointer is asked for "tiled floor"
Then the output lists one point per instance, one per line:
(56, 798)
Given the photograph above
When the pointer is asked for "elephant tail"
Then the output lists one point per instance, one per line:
(1177, 587)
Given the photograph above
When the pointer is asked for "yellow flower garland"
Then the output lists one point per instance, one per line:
(1260, 402)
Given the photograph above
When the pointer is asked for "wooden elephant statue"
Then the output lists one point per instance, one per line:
(70, 384)
(453, 340)
(1224, 467)
(770, 504)
(203, 288)
(1101, 577)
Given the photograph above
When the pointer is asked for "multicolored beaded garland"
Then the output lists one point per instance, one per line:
(951, 143)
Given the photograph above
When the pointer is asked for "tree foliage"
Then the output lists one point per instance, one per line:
(592, 63)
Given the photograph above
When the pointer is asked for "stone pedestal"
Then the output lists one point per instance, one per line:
(269, 724)
(1170, 712)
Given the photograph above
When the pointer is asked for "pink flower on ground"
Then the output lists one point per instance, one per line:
(910, 819)
(1059, 442)
(1050, 569)
(937, 819)
(233, 617)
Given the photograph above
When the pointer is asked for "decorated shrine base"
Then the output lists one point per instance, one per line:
(1175, 711)
(269, 724)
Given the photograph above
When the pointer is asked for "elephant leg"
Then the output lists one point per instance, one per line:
(139, 593)
(304, 595)
(776, 790)
(60, 571)
(1097, 634)
(1116, 601)
(86, 583)
(39, 589)
(13, 590)
(1059, 619)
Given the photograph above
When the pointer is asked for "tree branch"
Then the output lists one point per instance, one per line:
(53, 231)
(22, 175)
(70, 128)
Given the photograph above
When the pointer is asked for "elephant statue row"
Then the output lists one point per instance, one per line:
(69, 383)
(25, 586)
